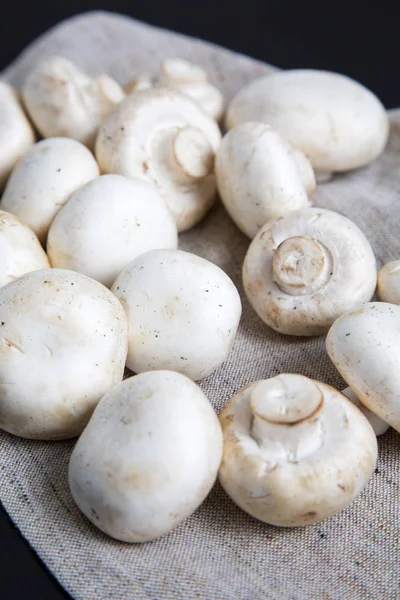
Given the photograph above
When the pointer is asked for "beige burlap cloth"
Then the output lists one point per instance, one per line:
(219, 553)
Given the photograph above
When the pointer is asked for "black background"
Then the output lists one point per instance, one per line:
(360, 39)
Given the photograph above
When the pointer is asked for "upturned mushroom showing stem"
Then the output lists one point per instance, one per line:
(306, 268)
(296, 451)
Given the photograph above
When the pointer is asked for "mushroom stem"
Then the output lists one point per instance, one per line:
(285, 417)
(301, 265)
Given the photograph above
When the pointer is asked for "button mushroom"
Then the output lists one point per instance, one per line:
(259, 177)
(296, 451)
(106, 224)
(20, 250)
(338, 123)
(49, 173)
(63, 345)
(183, 313)
(16, 133)
(63, 100)
(148, 457)
(388, 288)
(164, 137)
(364, 345)
(305, 269)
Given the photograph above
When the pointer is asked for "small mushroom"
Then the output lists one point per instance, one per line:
(63, 100)
(162, 136)
(148, 457)
(16, 133)
(296, 451)
(44, 179)
(20, 250)
(63, 345)
(378, 425)
(106, 224)
(364, 345)
(185, 77)
(306, 268)
(337, 122)
(183, 313)
(388, 288)
(259, 177)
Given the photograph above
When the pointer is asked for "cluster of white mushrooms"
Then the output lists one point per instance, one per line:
(92, 281)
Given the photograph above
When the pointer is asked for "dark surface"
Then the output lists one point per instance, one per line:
(355, 38)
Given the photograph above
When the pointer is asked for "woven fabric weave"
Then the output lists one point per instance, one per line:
(219, 553)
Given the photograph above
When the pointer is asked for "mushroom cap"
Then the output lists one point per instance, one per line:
(63, 345)
(378, 425)
(364, 346)
(337, 122)
(164, 137)
(258, 176)
(183, 313)
(106, 224)
(388, 288)
(296, 451)
(148, 457)
(44, 179)
(306, 171)
(63, 100)
(306, 268)
(20, 250)
(16, 133)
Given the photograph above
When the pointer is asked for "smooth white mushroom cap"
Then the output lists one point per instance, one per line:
(148, 457)
(16, 133)
(63, 345)
(63, 100)
(306, 171)
(258, 176)
(106, 224)
(378, 425)
(162, 136)
(388, 288)
(20, 250)
(44, 179)
(296, 451)
(337, 122)
(364, 346)
(183, 313)
(303, 270)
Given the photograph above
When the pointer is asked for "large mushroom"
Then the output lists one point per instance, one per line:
(260, 177)
(16, 133)
(44, 179)
(183, 313)
(338, 123)
(306, 268)
(63, 345)
(148, 457)
(296, 451)
(164, 137)
(106, 224)
(63, 100)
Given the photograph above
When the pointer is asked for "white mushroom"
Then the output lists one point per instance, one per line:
(20, 250)
(186, 77)
(16, 133)
(63, 100)
(63, 345)
(364, 345)
(378, 425)
(163, 137)
(306, 268)
(388, 288)
(44, 179)
(306, 171)
(148, 457)
(183, 313)
(259, 177)
(338, 123)
(106, 224)
(296, 451)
